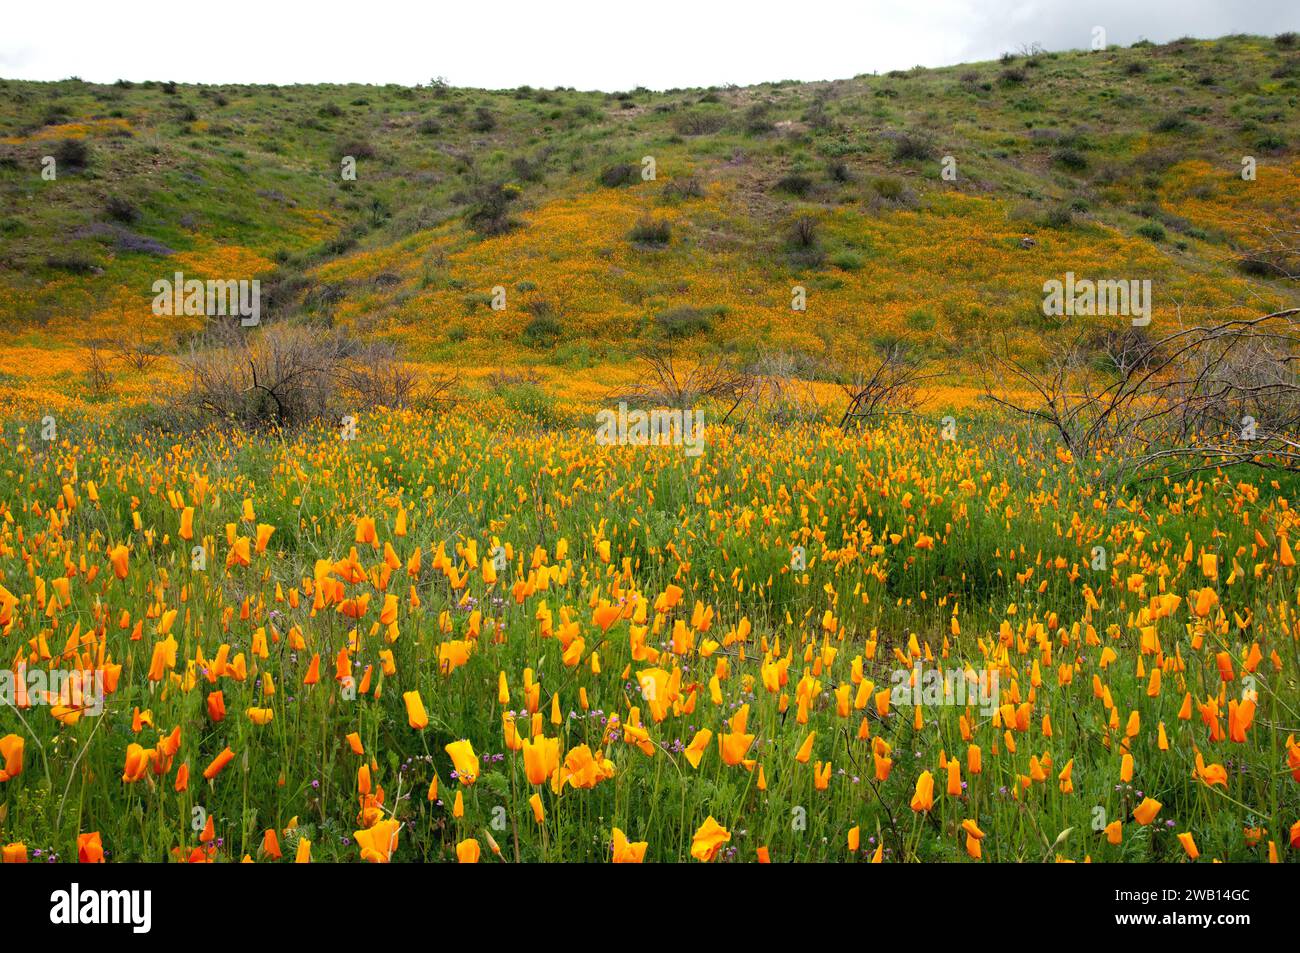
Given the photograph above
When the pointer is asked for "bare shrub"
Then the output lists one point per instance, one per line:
(1124, 348)
(1267, 262)
(803, 232)
(669, 381)
(138, 353)
(619, 174)
(679, 190)
(489, 212)
(378, 377)
(98, 377)
(288, 376)
(888, 382)
(911, 147)
(121, 210)
(483, 120)
(698, 123)
(783, 392)
(501, 378)
(1207, 395)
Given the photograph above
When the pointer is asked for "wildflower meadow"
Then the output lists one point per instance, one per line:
(892, 470)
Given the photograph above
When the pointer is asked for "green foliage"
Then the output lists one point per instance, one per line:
(685, 322)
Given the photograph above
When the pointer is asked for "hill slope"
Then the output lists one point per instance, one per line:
(1121, 164)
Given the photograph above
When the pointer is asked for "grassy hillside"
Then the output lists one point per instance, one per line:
(1124, 163)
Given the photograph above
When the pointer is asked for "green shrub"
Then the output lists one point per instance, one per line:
(839, 171)
(530, 402)
(72, 155)
(624, 173)
(1173, 122)
(652, 231)
(794, 184)
(913, 148)
(121, 210)
(543, 330)
(920, 320)
(490, 212)
(894, 191)
(1058, 216)
(73, 264)
(1071, 159)
(847, 260)
(684, 322)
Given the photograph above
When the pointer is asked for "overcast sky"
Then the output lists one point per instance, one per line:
(606, 44)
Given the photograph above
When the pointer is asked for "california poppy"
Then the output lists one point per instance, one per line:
(709, 839)
(464, 760)
(923, 798)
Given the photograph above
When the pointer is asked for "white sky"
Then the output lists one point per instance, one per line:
(605, 44)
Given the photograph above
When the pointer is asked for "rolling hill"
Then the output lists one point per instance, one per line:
(562, 231)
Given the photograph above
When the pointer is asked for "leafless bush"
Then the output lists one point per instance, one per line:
(379, 378)
(1124, 348)
(783, 392)
(890, 382)
(1209, 395)
(283, 376)
(803, 232)
(436, 391)
(1061, 393)
(96, 366)
(679, 190)
(138, 353)
(1274, 253)
(287, 376)
(1233, 395)
(668, 381)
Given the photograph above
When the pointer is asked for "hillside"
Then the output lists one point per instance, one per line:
(1121, 164)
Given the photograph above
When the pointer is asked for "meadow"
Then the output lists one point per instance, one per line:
(444, 639)
(365, 583)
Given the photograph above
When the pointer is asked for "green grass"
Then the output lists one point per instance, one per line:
(535, 485)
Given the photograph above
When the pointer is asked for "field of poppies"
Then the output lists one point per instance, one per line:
(438, 637)
(367, 574)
